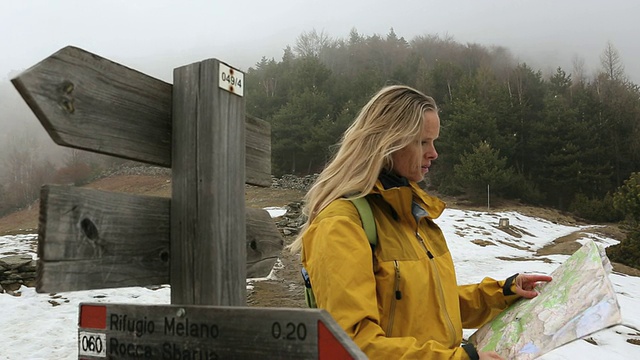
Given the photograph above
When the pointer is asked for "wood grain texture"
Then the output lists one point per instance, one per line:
(258, 156)
(92, 239)
(91, 103)
(88, 102)
(263, 242)
(207, 208)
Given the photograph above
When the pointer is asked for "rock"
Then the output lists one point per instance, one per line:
(294, 182)
(14, 293)
(15, 271)
(11, 287)
(30, 267)
(15, 261)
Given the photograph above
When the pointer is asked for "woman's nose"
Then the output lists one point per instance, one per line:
(431, 153)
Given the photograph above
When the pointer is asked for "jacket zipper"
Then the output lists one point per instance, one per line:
(452, 330)
(397, 295)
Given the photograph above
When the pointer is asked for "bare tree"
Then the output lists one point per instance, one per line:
(26, 171)
(578, 70)
(612, 63)
(312, 43)
(74, 157)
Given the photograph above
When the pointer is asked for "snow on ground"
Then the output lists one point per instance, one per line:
(31, 327)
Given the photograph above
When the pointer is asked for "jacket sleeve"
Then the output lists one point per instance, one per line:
(338, 258)
(479, 303)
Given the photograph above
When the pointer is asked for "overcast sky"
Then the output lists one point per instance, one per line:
(155, 36)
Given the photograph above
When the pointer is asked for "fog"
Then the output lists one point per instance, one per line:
(156, 36)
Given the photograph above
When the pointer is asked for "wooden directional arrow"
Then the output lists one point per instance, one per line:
(87, 102)
(97, 239)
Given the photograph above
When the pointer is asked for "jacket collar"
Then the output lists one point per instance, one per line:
(401, 193)
(390, 180)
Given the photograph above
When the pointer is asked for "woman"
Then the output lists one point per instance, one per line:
(399, 299)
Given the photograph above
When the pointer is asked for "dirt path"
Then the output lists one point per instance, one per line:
(568, 244)
(284, 288)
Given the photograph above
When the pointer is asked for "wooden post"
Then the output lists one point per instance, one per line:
(207, 208)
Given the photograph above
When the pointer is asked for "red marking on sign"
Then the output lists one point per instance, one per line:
(329, 348)
(93, 316)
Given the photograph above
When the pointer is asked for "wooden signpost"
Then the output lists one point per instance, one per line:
(203, 241)
(85, 101)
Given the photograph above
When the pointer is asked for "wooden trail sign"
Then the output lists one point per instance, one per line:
(92, 239)
(202, 241)
(124, 331)
(88, 102)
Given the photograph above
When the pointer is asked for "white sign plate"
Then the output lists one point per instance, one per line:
(231, 79)
(92, 344)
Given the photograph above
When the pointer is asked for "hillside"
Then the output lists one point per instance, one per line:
(26, 221)
(284, 288)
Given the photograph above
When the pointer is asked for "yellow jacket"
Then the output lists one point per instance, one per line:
(403, 302)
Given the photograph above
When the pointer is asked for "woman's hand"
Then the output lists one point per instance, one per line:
(525, 284)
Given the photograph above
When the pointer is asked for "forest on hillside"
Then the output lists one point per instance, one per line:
(567, 140)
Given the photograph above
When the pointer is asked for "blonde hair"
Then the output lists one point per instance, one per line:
(388, 122)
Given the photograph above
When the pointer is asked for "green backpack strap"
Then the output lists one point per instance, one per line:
(368, 221)
(369, 226)
(309, 297)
